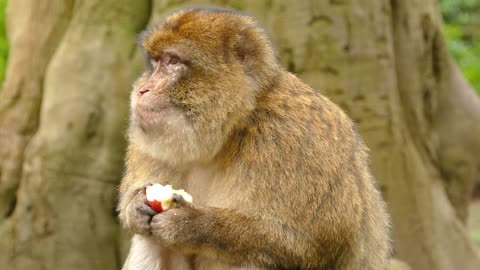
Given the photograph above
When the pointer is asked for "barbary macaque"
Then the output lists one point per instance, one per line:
(278, 174)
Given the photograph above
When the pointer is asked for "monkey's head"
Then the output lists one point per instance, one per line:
(205, 68)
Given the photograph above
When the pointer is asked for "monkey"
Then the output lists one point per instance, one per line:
(278, 172)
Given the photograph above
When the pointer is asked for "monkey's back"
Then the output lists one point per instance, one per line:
(316, 178)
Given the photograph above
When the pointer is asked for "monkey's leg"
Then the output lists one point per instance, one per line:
(146, 254)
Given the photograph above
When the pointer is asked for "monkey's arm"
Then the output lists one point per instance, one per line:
(227, 235)
(134, 211)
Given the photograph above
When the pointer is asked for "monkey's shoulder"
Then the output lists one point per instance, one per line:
(300, 110)
(293, 126)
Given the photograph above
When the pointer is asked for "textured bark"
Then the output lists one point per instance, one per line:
(436, 100)
(33, 38)
(37, 33)
(74, 102)
(441, 123)
(65, 102)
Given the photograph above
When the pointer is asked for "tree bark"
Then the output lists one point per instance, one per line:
(385, 62)
(35, 37)
(37, 33)
(73, 106)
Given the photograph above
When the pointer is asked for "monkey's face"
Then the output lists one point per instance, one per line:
(152, 106)
(195, 89)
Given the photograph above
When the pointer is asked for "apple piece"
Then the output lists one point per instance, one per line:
(160, 197)
(187, 197)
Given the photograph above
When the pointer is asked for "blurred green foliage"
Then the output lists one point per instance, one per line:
(3, 40)
(462, 30)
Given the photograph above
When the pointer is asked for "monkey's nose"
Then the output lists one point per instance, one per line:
(143, 91)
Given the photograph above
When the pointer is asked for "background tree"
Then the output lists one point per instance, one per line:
(62, 114)
(63, 111)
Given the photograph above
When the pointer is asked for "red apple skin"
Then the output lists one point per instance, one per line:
(156, 205)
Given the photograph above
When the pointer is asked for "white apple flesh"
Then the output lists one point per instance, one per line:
(160, 197)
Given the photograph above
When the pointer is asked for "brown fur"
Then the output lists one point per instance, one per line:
(278, 174)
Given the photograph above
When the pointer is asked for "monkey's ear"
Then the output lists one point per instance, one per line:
(246, 46)
(253, 49)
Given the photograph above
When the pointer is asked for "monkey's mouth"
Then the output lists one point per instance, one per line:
(146, 113)
(156, 120)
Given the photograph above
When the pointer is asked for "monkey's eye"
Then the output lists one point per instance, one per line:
(173, 60)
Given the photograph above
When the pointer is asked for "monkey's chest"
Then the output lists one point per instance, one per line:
(205, 263)
(176, 261)
(212, 188)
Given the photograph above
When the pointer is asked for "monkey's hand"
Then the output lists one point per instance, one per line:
(138, 213)
(177, 227)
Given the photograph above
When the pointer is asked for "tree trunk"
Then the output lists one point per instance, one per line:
(384, 62)
(62, 116)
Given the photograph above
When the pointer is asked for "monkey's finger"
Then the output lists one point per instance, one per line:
(148, 183)
(145, 209)
(179, 200)
(143, 187)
